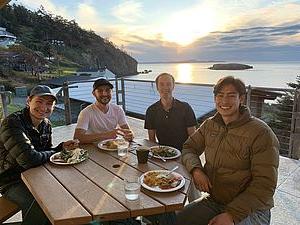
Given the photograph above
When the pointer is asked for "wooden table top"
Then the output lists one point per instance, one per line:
(94, 190)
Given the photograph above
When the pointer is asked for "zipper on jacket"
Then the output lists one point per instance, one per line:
(215, 156)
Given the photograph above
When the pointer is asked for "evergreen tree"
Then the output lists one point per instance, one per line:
(281, 117)
(36, 30)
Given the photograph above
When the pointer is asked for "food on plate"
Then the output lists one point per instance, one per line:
(115, 144)
(161, 180)
(111, 144)
(73, 156)
(164, 151)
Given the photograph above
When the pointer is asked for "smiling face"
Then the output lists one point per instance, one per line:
(165, 86)
(40, 107)
(228, 102)
(103, 94)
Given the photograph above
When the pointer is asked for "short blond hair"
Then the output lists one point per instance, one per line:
(164, 74)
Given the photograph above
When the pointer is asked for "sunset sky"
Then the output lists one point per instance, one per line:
(166, 30)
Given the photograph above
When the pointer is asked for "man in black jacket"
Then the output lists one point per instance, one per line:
(25, 142)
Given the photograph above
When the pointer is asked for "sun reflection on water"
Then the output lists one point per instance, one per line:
(184, 72)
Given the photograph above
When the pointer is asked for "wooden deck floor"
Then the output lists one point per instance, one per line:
(287, 195)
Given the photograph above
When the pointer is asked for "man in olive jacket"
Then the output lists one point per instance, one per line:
(25, 142)
(240, 173)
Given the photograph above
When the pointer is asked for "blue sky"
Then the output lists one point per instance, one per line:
(165, 30)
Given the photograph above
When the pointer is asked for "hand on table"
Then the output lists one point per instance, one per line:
(222, 219)
(126, 133)
(201, 180)
(71, 144)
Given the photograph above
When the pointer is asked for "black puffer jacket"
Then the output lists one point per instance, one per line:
(22, 146)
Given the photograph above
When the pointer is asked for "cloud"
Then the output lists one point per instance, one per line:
(272, 15)
(256, 43)
(128, 11)
(85, 14)
(87, 17)
(47, 4)
(243, 29)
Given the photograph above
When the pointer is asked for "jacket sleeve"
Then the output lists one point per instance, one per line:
(49, 145)
(20, 147)
(264, 163)
(193, 148)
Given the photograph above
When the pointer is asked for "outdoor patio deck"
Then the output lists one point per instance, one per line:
(287, 196)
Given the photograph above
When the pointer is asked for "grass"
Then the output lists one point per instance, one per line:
(63, 71)
(13, 108)
(58, 123)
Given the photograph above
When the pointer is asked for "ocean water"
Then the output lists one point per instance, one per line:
(263, 74)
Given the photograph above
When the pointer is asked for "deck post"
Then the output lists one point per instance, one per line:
(248, 101)
(294, 146)
(120, 93)
(123, 94)
(68, 115)
(5, 100)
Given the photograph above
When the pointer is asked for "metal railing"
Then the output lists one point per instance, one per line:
(135, 96)
(4, 102)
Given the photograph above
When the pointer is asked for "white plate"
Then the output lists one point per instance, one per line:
(178, 153)
(157, 189)
(58, 162)
(125, 144)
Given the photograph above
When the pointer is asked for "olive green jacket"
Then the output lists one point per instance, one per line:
(241, 162)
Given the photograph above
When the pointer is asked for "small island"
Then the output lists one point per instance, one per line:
(230, 66)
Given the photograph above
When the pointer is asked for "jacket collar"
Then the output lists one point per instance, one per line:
(28, 120)
(244, 118)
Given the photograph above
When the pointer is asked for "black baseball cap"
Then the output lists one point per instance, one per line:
(42, 90)
(102, 82)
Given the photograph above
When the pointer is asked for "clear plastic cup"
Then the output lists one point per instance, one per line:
(122, 152)
(132, 187)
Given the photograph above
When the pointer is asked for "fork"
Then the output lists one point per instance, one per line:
(171, 171)
(164, 160)
(161, 175)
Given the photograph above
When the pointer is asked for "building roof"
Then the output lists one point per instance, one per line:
(84, 76)
(4, 33)
(89, 69)
(58, 82)
(265, 94)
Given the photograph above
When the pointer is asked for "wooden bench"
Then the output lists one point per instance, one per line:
(7, 209)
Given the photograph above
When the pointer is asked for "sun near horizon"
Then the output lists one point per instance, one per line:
(183, 28)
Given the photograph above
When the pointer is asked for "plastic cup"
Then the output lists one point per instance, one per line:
(122, 152)
(132, 187)
(142, 153)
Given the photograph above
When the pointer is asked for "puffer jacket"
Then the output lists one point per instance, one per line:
(241, 162)
(22, 146)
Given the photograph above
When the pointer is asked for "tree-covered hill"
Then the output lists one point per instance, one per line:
(53, 35)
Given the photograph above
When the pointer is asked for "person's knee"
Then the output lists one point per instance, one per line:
(186, 216)
(180, 218)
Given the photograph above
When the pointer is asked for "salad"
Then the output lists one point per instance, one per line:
(163, 151)
(74, 156)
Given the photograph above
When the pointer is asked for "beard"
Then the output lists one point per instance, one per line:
(103, 100)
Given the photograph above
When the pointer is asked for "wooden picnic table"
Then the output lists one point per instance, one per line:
(94, 190)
